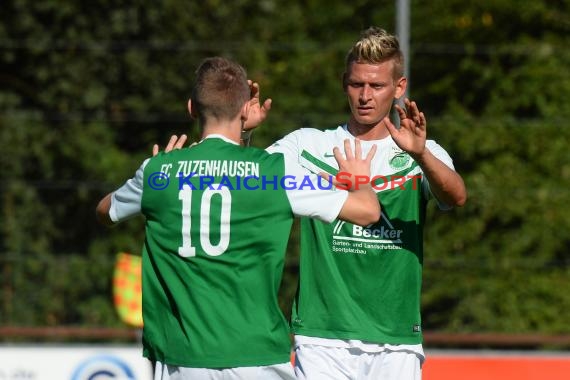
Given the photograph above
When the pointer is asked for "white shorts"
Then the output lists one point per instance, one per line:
(335, 363)
(282, 371)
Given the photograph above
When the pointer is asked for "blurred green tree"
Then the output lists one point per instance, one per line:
(86, 88)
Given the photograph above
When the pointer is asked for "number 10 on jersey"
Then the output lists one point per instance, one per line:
(185, 196)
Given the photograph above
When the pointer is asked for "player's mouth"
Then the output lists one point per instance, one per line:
(365, 110)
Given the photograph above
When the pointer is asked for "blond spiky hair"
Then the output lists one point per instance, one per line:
(377, 46)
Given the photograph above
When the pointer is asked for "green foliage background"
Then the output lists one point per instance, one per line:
(86, 88)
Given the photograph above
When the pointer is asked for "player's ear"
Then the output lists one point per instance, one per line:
(401, 85)
(191, 110)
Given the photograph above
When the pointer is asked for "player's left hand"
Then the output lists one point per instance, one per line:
(175, 142)
(411, 137)
(257, 111)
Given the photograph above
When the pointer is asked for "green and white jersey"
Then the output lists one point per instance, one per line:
(216, 236)
(362, 283)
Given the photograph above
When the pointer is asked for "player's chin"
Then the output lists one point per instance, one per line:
(369, 120)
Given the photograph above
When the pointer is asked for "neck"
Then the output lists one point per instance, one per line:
(229, 129)
(367, 132)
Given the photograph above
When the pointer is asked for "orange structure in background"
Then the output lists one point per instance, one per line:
(496, 366)
(493, 366)
(127, 294)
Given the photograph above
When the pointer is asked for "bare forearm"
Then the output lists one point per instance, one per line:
(445, 183)
(361, 207)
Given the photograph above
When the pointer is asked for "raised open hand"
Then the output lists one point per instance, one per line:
(411, 136)
(257, 111)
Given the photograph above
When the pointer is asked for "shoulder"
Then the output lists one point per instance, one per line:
(312, 132)
(160, 160)
(308, 136)
(262, 156)
(302, 133)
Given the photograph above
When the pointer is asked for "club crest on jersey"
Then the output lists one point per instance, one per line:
(400, 160)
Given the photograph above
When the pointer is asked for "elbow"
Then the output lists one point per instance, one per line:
(102, 211)
(460, 202)
(461, 199)
(457, 201)
(103, 218)
(455, 197)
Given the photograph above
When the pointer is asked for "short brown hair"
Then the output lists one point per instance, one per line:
(220, 89)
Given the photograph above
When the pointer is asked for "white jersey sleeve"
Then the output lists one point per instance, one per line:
(312, 196)
(288, 145)
(442, 155)
(126, 201)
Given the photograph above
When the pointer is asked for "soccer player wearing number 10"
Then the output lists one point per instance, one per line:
(217, 225)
